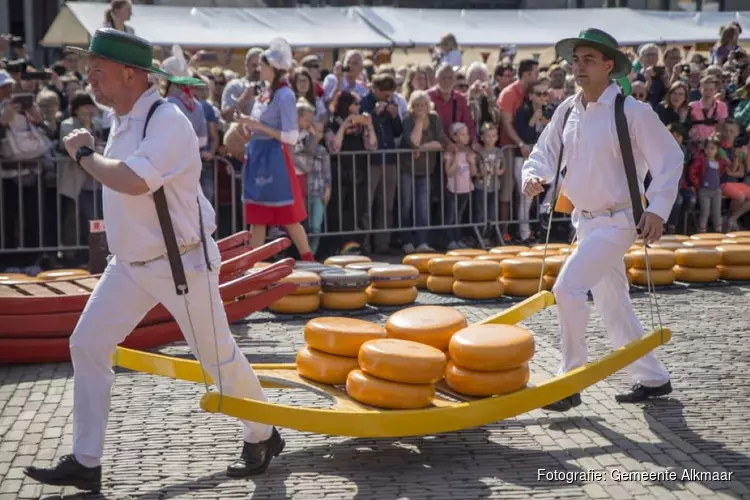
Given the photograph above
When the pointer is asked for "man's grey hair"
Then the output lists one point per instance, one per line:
(255, 51)
(648, 47)
(350, 54)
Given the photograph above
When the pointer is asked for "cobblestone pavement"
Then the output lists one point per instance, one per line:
(161, 445)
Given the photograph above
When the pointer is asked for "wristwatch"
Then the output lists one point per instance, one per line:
(82, 152)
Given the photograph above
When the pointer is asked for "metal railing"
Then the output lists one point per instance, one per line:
(46, 204)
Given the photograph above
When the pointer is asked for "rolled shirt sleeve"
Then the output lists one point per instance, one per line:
(287, 103)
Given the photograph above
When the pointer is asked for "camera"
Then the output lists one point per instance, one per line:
(15, 66)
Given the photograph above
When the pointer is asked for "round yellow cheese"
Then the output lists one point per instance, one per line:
(520, 287)
(431, 325)
(540, 254)
(553, 265)
(420, 260)
(467, 252)
(628, 261)
(707, 236)
(478, 290)
(738, 234)
(422, 280)
(391, 296)
(324, 368)
(657, 257)
(551, 246)
(393, 276)
(443, 265)
(341, 336)
(548, 282)
(365, 266)
(696, 274)
(6, 277)
(494, 257)
(522, 267)
(343, 260)
(402, 361)
(440, 284)
(491, 347)
(381, 393)
(509, 250)
(477, 270)
(668, 245)
(307, 283)
(658, 276)
(734, 255)
(57, 274)
(343, 301)
(296, 304)
(675, 237)
(707, 243)
(734, 272)
(697, 257)
(482, 384)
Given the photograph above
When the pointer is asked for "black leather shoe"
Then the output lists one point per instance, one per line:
(564, 404)
(256, 457)
(68, 472)
(640, 392)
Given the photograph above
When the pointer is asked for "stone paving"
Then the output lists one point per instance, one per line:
(161, 445)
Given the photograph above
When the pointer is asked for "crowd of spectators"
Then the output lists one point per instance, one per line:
(381, 148)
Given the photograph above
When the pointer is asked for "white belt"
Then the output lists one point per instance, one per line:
(183, 249)
(609, 212)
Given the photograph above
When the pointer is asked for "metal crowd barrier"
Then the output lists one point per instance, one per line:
(46, 204)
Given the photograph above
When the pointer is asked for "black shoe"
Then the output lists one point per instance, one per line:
(640, 392)
(256, 457)
(564, 404)
(68, 472)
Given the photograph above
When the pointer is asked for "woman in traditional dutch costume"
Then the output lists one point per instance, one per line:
(271, 193)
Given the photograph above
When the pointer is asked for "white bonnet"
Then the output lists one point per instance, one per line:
(279, 54)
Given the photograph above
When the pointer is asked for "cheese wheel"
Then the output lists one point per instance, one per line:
(628, 261)
(735, 241)
(734, 255)
(634, 248)
(467, 252)
(57, 274)
(697, 257)
(729, 272)
(540, 253)
(381, 393)
(422, 280)
(675, 237)
(668, 245)
(391, 296)
(443, 265)
(477, 270)
(343, 301)
(708, 243)
(341, 336)
(553, 265)
(393, 276)
(551, 246)
(307, 283)
(324, 368)
(522, 267)
(365, 266)
(343, 260)
(520, 287)
(548, 282)
(420, 260)
(402, 361)
(344, 280)
(440, 284)
(738, 234)
(481, 384)
(431, 325)
(509, 250)
(5, 277)
(696, 274)
(658, 258)
(493, 257)
(478, 290)
(296, 304)
(658, 276)
(567, 251)
(491, 347)
(707, 236)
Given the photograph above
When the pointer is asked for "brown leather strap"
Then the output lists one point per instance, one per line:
(626, 149)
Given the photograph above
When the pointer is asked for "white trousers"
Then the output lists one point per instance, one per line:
(524, 202)
(598, 265)
(123, 296)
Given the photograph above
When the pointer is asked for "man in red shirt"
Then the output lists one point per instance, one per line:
(450, 105)
(511, 98)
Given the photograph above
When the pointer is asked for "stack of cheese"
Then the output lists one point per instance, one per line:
(543, 251)
(392, 285)
(661, 262)
(441, 273)
(305, 299)
(734, 262)
(487, 360)
(431, 325)
(477, 279)
(696, 265)
(521, 276)
(344, 289)
(333, 346)
(396, 374)
(510, 250)
(552, 267)
(704, 240)
(420, 261)
(345, 260)
(737, 238)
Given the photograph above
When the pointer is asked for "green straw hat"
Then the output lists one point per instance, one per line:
(601, 41)
(129, 50)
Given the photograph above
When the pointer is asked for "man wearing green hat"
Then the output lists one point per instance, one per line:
(608, 210)
(160, 255)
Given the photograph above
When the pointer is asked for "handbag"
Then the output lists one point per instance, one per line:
(24, 144)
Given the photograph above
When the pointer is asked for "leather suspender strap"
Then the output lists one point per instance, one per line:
(167, 229)
(628, 160)
(560, 159)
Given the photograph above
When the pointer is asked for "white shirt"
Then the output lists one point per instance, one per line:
(167, 157)
(595, 178)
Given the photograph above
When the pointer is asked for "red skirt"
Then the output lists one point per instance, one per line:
(295, 213)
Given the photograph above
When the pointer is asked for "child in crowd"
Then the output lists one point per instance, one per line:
(491, 169)
(733, 183)
(706, 172)
(318, 194)
(685, 201)
(460, 167)
(307, 143)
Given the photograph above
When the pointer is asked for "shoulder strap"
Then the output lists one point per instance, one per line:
(167, 229)
(626, 148)
(560, 156)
